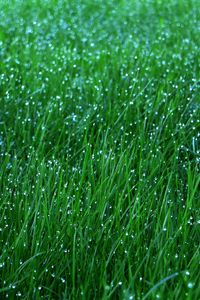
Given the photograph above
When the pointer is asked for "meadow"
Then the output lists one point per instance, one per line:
(99, 149)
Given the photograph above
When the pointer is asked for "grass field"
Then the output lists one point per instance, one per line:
(99, 149)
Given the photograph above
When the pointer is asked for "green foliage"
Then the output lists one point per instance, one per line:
(99, 149)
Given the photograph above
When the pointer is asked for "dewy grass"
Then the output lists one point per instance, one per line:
(99, 145)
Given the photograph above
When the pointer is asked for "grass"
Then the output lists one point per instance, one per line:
(99, 144)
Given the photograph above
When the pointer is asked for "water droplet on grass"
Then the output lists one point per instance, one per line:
(190, 285)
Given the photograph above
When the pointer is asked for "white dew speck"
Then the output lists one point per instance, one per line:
(190, 285)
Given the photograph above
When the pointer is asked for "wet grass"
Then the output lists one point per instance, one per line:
(99, 145)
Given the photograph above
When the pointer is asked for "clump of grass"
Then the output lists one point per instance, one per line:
(99, 145)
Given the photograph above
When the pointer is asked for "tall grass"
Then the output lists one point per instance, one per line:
(99, 144)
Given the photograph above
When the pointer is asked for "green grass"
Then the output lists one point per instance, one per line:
(99, 149)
